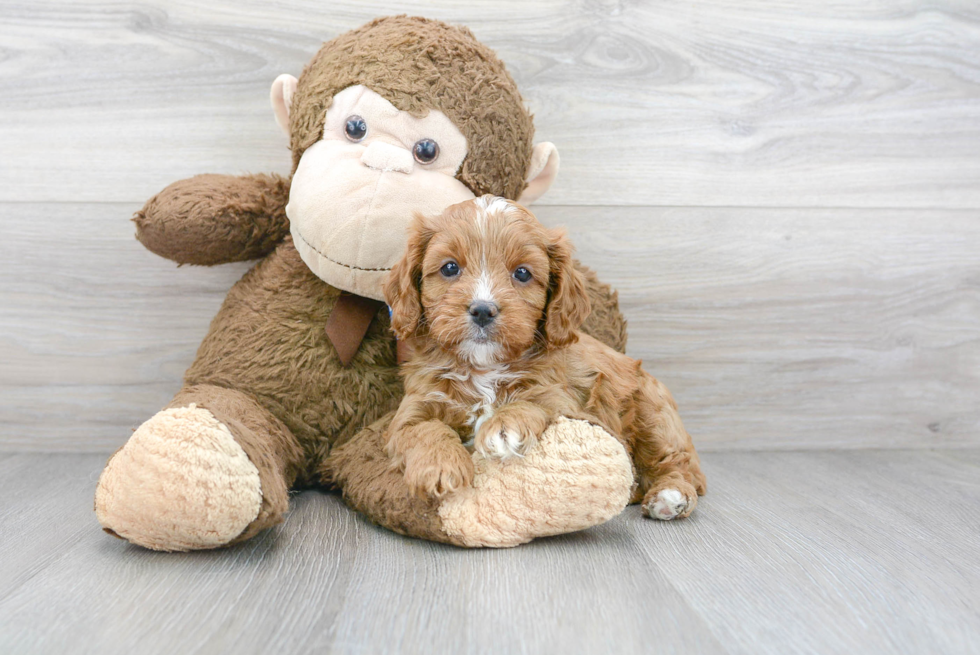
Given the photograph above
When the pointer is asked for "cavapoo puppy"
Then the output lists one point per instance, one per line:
(491, 303)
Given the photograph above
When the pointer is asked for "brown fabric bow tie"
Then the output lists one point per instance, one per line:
(349, 322)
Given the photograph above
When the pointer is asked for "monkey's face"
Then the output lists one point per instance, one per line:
(355, 191)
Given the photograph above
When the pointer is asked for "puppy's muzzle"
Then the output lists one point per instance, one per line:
(483, 313)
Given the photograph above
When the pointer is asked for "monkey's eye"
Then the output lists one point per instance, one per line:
(356, 128)
(449, 269)
(521, 274)
(425, 151)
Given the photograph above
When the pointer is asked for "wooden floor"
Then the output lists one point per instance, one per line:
(867, 552)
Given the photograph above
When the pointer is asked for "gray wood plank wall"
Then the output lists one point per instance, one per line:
(786, 195)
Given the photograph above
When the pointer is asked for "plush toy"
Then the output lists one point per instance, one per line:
(297, 378)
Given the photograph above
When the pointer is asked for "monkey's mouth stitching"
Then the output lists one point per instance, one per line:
(332, 260)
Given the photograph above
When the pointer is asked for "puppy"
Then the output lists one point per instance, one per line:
(491, 302)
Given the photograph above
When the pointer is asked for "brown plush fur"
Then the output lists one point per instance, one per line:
(501, 378)
(268, 338)
(418, 64)
(216, 219)
(371, 485)
(266, 368)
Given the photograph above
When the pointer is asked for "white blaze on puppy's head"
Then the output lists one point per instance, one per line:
(484, 288)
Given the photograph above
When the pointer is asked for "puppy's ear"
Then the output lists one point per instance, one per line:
(401, 287)
(568, 299)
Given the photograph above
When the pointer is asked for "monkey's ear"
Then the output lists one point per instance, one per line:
(541, 173)
(568, 298)
(281, 95)
(401, 287)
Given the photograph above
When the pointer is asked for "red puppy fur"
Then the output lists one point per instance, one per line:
(491, 303)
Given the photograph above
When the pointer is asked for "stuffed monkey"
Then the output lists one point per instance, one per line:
(297, 377)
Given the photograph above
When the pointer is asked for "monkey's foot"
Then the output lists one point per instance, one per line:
(576, 476)
(181, 482)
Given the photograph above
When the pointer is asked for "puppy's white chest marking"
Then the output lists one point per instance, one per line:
(478, 415)
(484, 385)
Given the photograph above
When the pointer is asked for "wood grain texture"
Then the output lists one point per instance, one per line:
(773, 328)
(831, 552)
(94, 329)
(780, 328)
(726, 103)
(819, 552)
(33, 491)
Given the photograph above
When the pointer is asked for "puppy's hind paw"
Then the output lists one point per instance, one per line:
(668, 504)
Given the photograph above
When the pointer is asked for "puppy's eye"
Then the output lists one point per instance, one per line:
(449, 269)
(356, 128)
(425, 151)
(521, 274)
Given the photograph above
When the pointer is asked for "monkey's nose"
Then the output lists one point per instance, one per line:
(483, 313)
(383, 156)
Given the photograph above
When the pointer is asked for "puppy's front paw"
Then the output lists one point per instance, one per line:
(438, 471)
(503, 437)
(669, 503)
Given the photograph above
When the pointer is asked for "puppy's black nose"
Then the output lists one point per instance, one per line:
(483, 313)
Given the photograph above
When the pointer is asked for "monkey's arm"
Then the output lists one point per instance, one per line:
(215, 219)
